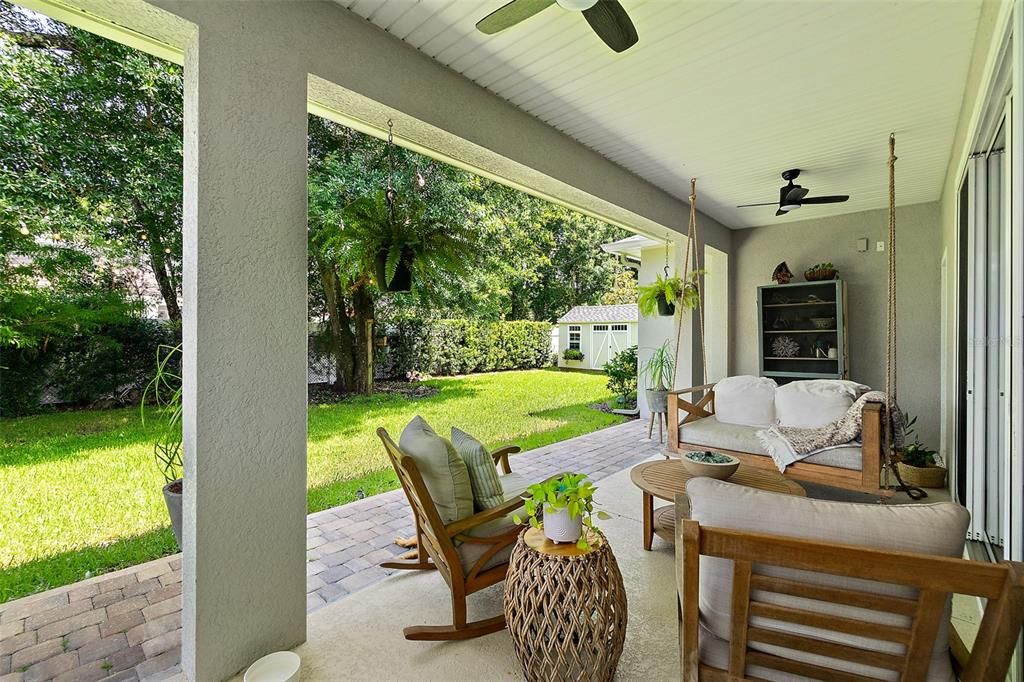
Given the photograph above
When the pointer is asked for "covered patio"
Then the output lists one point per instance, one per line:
(251, 581)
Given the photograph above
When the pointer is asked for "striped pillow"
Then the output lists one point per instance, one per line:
(483, 476)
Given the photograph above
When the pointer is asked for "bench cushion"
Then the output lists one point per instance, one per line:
(815, 403)
(746, 400)
(937, 529)
(712, 433)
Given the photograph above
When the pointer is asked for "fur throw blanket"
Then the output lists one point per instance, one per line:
(788, 444)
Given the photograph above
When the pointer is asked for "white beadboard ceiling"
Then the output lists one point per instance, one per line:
(731, 93)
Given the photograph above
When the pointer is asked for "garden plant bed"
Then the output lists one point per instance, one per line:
(56, 533)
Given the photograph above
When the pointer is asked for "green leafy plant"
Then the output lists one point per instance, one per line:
(916, 454)
(659, 368)
(827, 265)
(572, 354)
(672, 289)
(572, 492)
(164, 390)
(621, 371)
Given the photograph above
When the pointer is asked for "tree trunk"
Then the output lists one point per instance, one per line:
(164, 277)
(362, 353)
(339, 328)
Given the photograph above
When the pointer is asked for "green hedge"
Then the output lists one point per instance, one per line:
(447, 347)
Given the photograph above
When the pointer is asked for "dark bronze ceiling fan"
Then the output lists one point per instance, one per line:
(607, 17)
(792, 196)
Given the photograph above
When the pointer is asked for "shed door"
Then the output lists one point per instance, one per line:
(608, 341)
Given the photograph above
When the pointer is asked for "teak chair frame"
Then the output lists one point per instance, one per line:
(436, 547)
(935, 578)
(867, 480)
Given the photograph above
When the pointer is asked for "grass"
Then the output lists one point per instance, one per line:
(80, 492)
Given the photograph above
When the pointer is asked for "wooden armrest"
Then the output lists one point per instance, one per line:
(691, 389)
(462, 525)
(873, 407)
(501, 457)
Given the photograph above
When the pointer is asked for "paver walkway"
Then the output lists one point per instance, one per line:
(127, 625)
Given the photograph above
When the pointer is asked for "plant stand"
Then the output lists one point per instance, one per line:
(662, 418)
(565, 608)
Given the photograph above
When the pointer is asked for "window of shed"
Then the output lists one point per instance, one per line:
(619, 327)
(574, 336)
(600, 327)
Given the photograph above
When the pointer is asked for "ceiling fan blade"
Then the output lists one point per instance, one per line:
(612, 25)
(767, 203)
(781, 212)
(833, 199)
(511, 14)
(796, 194)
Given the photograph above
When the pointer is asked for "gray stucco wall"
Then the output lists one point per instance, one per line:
(801, 244)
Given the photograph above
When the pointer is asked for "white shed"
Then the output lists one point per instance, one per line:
(597, 331)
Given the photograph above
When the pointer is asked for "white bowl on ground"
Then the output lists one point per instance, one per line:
(280, 666)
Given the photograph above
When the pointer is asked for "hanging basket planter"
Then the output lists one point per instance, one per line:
(666, 308)
(401, 282)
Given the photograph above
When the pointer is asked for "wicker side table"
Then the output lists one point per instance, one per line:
(566, 608)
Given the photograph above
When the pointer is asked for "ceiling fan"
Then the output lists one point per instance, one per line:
(607, 17)
(793, 196)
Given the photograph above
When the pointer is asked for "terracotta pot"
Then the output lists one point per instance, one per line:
(922, 477)
(560, 527)
(172, 498)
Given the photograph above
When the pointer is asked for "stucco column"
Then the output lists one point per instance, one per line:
(245, 341)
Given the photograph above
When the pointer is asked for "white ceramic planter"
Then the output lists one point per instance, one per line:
(560, 527)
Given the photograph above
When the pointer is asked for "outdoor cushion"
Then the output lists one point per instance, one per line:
(815, 403)
(483, 476)
(469, 552)
(937, 529)
(443, 471)
(713, 434)
(513, 485)
(746, 400)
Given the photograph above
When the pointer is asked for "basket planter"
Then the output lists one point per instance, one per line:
(666, 308)
(820, 275)
(922, 477)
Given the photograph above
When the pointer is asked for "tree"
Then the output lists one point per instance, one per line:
(623, 289)
(90, 145)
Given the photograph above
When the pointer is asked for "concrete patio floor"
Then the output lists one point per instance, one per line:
(127, 625)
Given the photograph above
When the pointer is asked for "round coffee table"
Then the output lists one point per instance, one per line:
(666, 479)
(565, 608)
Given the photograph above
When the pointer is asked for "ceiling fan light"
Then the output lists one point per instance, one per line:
(789, 207)
(576, 5)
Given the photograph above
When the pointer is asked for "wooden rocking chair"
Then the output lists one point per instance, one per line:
(436, 548)
(756, 558)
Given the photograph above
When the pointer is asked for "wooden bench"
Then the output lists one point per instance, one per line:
(867, 480)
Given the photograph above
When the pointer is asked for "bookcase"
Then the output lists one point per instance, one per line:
(802, 331)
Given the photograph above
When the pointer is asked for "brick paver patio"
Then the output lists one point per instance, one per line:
(127, 625)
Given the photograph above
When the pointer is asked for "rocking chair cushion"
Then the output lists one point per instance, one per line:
(469, 552)
(483, 476)
(443, 471)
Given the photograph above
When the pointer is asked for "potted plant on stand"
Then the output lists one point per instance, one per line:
(164, 390)
(657, 372)
(565, 505)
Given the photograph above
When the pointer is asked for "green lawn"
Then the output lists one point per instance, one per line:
(80, 493)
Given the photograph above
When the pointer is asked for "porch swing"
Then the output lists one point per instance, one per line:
(860, 468)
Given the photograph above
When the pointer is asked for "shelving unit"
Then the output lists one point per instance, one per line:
(785, 310)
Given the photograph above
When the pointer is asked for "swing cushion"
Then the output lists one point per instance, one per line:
(815, 403)
(937, 529)
(745, 400)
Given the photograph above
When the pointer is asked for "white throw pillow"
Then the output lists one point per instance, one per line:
(745, 400)
(936, 529)
(810, 404)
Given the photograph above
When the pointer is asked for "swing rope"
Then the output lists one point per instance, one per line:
(914, 493)
(691, 238)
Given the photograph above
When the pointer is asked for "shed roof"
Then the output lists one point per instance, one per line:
(601, 313)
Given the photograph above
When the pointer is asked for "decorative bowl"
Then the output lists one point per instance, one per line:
(280, 666)
(823, 322)
(710, 464)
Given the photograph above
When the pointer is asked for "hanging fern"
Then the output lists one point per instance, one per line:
(672, 289)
